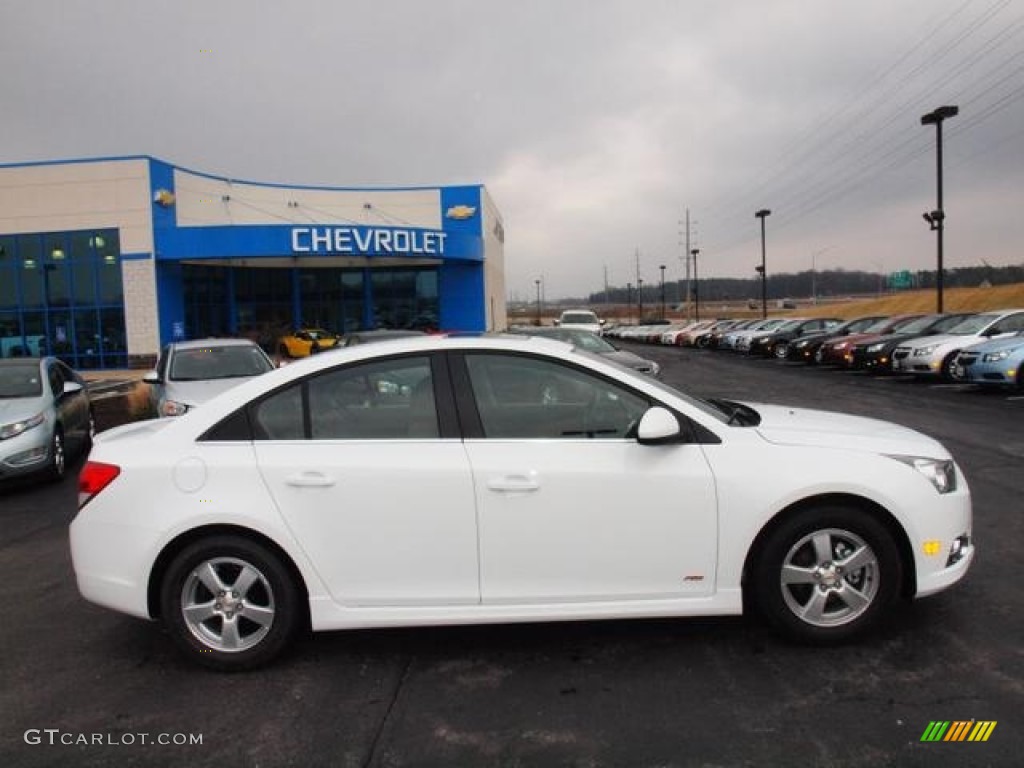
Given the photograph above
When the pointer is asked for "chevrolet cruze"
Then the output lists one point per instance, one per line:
(486, 480)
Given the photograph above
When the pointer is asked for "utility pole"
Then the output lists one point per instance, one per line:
(686, 253)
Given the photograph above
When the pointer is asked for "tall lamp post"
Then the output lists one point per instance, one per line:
(629, 302)
(936, 219)
(662, 268)
(696, 285)
(640, 299)
(762, 214)
(537, 282)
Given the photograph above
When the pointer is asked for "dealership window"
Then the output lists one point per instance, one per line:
(54, 287)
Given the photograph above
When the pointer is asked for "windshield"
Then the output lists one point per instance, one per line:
(20, 381)
(206, 363)
(973, 325)
(920, 324)
(581, 318)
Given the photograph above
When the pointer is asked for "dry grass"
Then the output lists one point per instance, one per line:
(910, 302)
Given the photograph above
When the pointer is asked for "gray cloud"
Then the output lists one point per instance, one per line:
(594, 124)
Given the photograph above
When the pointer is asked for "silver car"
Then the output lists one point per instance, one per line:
(591, 342)
(44, 413)
(188, 373)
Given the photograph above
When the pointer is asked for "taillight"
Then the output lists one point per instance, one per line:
(94, 477)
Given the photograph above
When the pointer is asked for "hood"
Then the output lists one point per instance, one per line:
(825, 429)
(940, 339)
(628, 359)
(17, 408)
(193, 393)
(995, 345)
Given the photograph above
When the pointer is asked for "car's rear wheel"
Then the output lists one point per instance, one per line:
(230, 603)
(90, 430)
(780, 351)
(825, 574)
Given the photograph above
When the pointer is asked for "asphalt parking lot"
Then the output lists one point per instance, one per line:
(722, 692)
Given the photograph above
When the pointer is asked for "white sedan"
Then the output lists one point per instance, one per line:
(483, 480)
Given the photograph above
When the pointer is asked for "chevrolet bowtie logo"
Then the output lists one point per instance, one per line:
(460, 212)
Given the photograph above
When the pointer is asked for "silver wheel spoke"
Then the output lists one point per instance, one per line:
(859, 559)
(246, 578)
(210, 579)
(822, 547)
(855, 600)
(794, 574)
(815, 608)
(258, 614)
(199, 612)
(229, 636)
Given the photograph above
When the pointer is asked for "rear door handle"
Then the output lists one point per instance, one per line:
(309, 480)
(524, 481)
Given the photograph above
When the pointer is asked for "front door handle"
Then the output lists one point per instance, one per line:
(523, 481)
(309, 480)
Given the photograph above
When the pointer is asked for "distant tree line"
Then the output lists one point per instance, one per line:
(831, 282)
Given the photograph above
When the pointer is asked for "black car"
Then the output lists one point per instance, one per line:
(876, 354)
(803, 349)
(776, 343)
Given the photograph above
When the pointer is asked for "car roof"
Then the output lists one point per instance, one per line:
(204, 343)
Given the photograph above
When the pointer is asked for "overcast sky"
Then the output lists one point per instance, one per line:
(593, 124)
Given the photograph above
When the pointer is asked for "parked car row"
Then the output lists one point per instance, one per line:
(984, 348)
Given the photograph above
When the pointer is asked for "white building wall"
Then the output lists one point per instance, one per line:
(106, 194)
(494, 264)
(204, 201)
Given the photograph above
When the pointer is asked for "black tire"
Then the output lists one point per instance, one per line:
(779, 350)
(314, 348)
(263, 613)
(821, 602)
(948, 364)
(58, 456)
(1020, 378)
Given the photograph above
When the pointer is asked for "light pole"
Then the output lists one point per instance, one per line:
(537, 282)
(696, 285)
(640, 300)
(762, 214)
(629, 302)
(662, 268)
(936, 219)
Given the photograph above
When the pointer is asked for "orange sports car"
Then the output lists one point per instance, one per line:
(305, 341)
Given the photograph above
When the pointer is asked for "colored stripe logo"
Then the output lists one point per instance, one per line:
(958, 730)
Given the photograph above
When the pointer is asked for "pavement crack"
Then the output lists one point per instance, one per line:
(371, 758)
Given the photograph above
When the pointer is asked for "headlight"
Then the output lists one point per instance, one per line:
(995, 357)
(173, 408)
(800, 344)
(15, 428)
(922, 351)
(875, 348)
(940, 472)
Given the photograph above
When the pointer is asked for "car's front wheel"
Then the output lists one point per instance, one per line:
(58, 457)
(826, 573)
(230, 603)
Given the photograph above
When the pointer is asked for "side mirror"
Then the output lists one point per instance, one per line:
(151, 378)
(602, 321)
(658, 426)
(557, 323)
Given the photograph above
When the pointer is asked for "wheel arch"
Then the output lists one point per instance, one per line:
(908, 587)
(183, 540)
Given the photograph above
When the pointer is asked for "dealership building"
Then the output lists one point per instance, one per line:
(104, 261)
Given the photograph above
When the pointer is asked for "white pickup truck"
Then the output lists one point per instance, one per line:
(583, 319)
